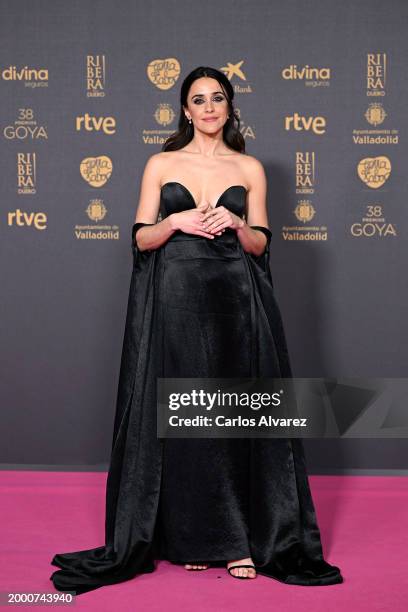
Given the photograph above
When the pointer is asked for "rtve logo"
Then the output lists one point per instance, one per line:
(96, 124)
(23, 219)
(304, 124)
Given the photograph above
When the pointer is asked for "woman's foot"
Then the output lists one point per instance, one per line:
(195, 566)
(242, 572)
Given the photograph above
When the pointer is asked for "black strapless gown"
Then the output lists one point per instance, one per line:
(200, 308)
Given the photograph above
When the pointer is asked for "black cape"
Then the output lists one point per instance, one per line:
(284, 536)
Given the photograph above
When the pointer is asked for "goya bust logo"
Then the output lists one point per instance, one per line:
(96, 170)
(374, 171)
(164, 72)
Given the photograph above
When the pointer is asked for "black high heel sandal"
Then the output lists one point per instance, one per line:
(240, 577)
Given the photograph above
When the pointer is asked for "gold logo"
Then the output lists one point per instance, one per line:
(96, 210)
(91, 123)
(164, 114)
(376, 73)
(12, 73)
(374, 171)
(96, 170)
(34, 219)
(293, 72)
(305, 172)
(235, 70)
(304, 211)
(231, 70)
(26, 173)
(164, 72)
(95, 76)
(375, 114)
(300, 123)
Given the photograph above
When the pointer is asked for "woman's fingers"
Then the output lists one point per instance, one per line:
(217, 223)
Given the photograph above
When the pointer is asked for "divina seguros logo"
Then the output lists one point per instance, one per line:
(311, 77)
(31, 77)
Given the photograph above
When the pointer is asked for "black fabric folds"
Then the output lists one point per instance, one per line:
(277, 522)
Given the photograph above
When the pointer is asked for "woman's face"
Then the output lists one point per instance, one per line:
(207, 105)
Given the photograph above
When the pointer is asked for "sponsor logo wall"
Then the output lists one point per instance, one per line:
(88, 96)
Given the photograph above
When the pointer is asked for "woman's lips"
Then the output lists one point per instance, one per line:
(211, 119)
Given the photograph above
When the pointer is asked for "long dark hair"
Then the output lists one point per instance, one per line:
(231, 134)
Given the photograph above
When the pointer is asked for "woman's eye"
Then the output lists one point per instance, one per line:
(216, 99)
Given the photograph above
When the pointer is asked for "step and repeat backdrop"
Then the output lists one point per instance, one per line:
(89, 90)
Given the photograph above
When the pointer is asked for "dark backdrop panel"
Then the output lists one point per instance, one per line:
(64, 299)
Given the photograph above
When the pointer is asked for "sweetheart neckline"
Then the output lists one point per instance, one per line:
(188, 192)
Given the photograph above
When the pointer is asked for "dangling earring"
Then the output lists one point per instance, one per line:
(189, 120)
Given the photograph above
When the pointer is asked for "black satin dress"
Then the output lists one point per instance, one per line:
(200, 308)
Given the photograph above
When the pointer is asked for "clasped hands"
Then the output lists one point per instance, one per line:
(209, 221)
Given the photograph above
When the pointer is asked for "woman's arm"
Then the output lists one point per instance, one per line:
(253, 240)
(154, 234)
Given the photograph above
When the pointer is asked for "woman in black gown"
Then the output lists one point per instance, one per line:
(201, 304)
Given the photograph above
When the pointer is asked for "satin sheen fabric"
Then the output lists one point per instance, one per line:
(200, 308)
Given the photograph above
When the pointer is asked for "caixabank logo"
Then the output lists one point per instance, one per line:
(236, 74)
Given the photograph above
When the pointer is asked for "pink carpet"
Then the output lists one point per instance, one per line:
(363, 522)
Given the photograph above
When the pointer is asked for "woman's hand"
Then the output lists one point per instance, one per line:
(215, 220)
(190, 221)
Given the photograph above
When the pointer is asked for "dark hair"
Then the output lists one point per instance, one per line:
(231, 134)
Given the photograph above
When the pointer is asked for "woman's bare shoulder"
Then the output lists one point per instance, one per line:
(251, 162)
(156, 165)
(253, 169)
(159, 158)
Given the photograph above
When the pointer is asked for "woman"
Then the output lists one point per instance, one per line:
(201, 304)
